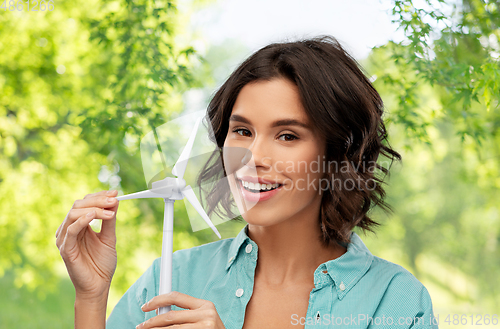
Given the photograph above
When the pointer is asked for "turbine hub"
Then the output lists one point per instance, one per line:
(181, 183)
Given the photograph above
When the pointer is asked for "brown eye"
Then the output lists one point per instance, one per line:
(290, 136)
(240, 129)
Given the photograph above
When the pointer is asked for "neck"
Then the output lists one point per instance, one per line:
(290, 252)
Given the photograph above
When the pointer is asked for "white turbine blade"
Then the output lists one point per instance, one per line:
(139, 195)
(188, 193)
(181, 164)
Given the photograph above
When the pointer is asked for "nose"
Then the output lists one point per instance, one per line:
(257, 155)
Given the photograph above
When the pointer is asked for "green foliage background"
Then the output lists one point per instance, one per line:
(441, 87)
(80, 86)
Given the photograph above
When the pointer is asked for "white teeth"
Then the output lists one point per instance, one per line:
(258, 186)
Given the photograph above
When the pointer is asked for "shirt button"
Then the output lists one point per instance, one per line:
(342, 286)
(248, 249)
(239, 292)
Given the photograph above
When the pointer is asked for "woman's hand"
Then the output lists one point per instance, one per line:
(90, 257)
(199, 313)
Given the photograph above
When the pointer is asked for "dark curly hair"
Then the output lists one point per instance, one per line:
(344, 108)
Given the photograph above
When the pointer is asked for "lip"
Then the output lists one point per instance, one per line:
(256, 197)
(251, 179)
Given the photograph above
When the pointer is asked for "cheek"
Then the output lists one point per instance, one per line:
(234, 141)
(298, 164)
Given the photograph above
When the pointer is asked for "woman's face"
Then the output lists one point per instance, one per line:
(269, 120)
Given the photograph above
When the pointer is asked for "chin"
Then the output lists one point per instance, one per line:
(263, 217)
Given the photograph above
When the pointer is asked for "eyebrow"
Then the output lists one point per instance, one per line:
(277, 123)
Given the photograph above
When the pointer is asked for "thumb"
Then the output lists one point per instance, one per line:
(108, 226)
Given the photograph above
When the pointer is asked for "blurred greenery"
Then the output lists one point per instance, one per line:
(22, 309)
(81, 85)
(441, 87)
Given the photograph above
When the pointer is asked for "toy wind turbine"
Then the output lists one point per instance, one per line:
(171, 189)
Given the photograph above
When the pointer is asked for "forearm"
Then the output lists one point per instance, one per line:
(90, 314)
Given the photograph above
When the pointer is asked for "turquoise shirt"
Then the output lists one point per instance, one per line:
(355, 290)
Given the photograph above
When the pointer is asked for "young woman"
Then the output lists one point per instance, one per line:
(312, 122)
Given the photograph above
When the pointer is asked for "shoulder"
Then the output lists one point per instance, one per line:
(187, 260)
(190, 264)
(375, 273)
(397, 279)
(400, 294)
(210, 253)
(212, 249)
(393, 274)
(193, 263)
(385, 288)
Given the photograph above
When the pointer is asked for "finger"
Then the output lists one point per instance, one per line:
(175, 317)
(74, 214)
(61, 231)
(72, 232)
(101, 213)
(101, 193)
(62, 224)
(173, 298)
(100, 201)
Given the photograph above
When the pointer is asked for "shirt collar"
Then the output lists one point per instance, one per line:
(349, 268)
(236, 244)
(345, 270)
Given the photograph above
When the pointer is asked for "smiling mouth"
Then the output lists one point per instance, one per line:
(257, 191)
